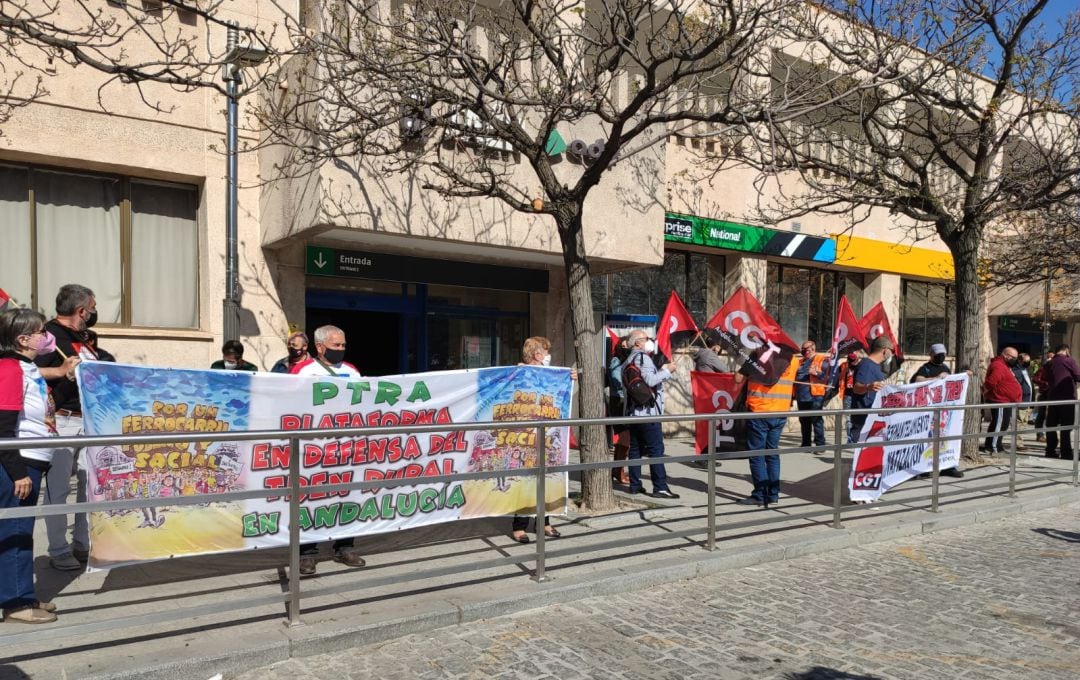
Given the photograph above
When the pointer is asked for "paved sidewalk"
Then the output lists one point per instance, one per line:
(991, 601)
(426, 578)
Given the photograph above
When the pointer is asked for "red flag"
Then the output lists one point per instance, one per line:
(614, 339)
(714, 393)
(749, 333)
(5, 301)
(847, 334)
(675, 320)
(875, 324)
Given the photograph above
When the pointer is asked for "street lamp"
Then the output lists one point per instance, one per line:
(238, 57)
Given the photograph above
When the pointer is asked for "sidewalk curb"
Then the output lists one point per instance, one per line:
(312, 640)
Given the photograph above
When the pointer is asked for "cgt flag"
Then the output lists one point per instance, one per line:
(675, 320)
(847, 334)
(6, 302)
(614, 337)
(747, 332)
(875, 324)
(714, 393)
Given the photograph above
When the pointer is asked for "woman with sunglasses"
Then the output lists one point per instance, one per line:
(25, 411)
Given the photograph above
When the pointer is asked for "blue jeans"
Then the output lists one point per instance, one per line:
(817, 423)
(763, 434)
(855, 427)
(17, 544)
(647, 438)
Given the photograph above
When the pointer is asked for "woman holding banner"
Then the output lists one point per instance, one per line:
(25, 411)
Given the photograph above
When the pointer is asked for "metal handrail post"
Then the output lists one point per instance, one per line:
(1076, 444)
(710, 540)
(837, 494)
(541, 502)
(937, 461)
(294, 532)
(1012, 454)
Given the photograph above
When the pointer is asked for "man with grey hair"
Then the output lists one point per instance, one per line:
(644, 384)
(329, 359)
(76, 312)
(329, 356)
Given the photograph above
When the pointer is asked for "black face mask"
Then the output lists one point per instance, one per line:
(333, 356)
(937, 359)
(92, 320)
(1012, 362)
(296, 352)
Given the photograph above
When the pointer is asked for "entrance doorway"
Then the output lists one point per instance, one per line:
(396, 328)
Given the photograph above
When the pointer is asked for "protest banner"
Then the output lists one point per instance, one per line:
(881, 463)
(716, 393)
(122, 399)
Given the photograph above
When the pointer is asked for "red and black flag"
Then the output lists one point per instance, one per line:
(746, 331)
(875, 324)
(847, 334)
(614, 337)
(675, 321)
(6, 302)
(716, 393)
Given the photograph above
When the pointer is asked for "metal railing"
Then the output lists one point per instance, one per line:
(293, 597)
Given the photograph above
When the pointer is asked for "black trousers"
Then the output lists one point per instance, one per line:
(313, 548)
(999, 422)
(1057, 416)
(521, 522)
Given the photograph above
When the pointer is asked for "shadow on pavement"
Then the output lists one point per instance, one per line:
(1070, 536)
(822, 673)
(9, 672)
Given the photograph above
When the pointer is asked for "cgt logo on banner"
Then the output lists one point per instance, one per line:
(881, 464)
(715, 393)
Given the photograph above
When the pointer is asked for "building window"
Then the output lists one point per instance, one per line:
(646, 291)
(134, 243)
(804, 300)
(926, 317)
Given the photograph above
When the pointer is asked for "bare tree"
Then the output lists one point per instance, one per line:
(462, 97)
(957, 119)
(153, 41)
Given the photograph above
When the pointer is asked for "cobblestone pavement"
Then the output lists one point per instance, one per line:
(994, 600)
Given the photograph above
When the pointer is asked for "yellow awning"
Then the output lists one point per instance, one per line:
(895, 258)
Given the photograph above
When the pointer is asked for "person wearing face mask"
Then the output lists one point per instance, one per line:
(232, 358)
(647, 438)
(76, 313)
(298, 351)
(535, 352)
(868, 379)
(25, 411)
(811, 380)
(935, 368)
(329, 359)
(1000, 387)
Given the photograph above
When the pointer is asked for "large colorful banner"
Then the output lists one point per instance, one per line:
(714, 393)
(122, 399)
(880, 464)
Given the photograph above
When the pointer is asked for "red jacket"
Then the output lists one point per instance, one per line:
(1000, 386)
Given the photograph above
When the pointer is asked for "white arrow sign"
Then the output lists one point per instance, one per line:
(319, 261)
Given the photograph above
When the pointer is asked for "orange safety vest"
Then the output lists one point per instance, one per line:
(819, 381)
(771, 399)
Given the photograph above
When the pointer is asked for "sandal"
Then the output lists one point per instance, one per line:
(552, 532)
(523, 538)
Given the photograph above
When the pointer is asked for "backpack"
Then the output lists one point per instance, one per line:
(635, 386)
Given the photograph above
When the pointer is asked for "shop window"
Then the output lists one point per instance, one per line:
(926, 317)
(133, 243)
(804, 301)
(646, 291)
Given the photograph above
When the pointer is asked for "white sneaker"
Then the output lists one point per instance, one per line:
(65, 562)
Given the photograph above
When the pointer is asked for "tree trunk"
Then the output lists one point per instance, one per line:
(596, 491)
(969, 325)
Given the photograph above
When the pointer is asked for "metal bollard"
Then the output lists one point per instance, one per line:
(294, 532)
(541, 503)
(937, 461)
(837, 497)
(1012, 455)
(710, 540)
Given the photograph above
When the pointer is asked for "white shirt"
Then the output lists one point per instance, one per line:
(35, 407)
(313, 367)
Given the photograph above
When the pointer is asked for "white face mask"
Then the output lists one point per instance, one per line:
(546, 361)
(649, 347)
(230, 365)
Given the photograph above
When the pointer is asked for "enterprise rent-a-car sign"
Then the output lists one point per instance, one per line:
(703, 231)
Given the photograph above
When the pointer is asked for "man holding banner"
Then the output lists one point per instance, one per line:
(869, 378)
(763, 434)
